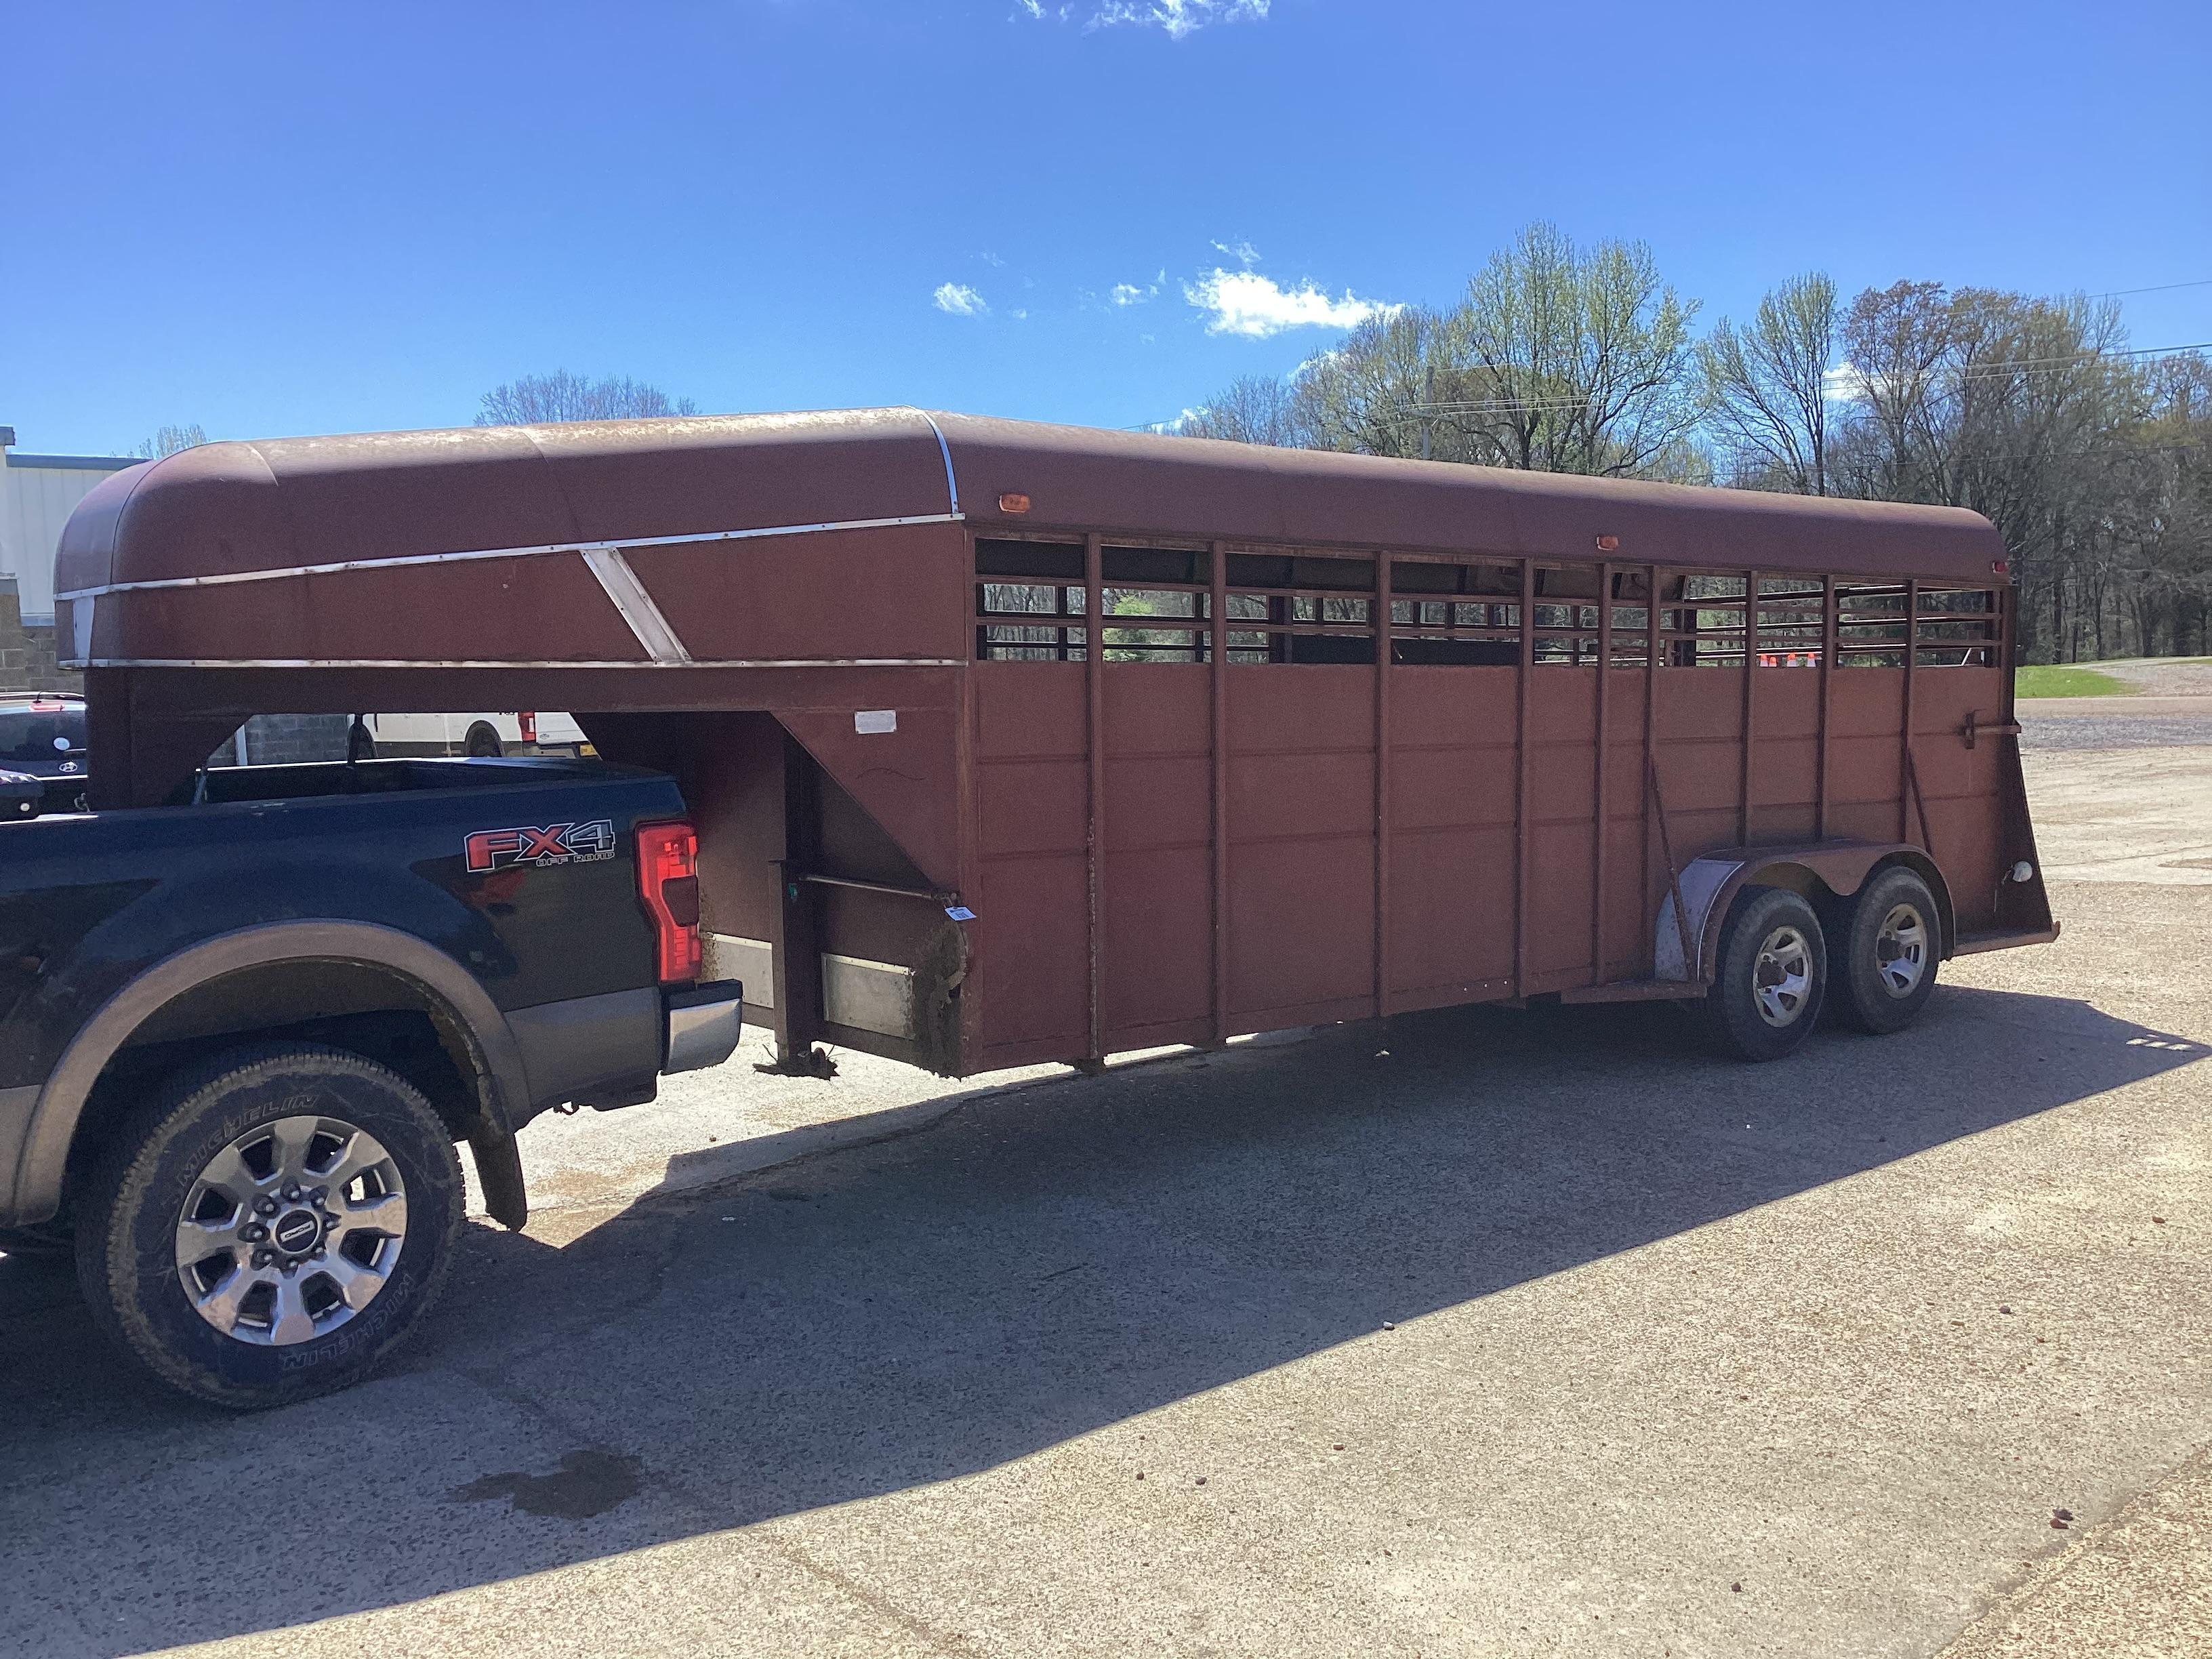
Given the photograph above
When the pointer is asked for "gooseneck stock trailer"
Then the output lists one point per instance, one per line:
(1010, 742)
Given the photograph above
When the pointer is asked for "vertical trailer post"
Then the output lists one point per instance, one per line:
(1750, 702)
(1094, 663)
(1649, 927)
(1604, 686)
(1382, 784)
(796, 951)
(1218, 556)
(1828, 636)
(1521, 782)
(970, 796)
(1905, 779)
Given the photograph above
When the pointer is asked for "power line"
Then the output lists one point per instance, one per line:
(2156, 287)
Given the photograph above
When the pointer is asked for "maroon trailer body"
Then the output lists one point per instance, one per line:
(1359, 736)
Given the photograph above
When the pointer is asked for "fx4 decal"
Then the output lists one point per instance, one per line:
(556, 843)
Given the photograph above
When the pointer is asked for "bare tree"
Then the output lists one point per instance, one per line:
(2016, 407)
(1253, 409)
(1768, 386)
(1585, 356)
(1400, 384)
(1558, 360)
(542, 400)
(171, 439)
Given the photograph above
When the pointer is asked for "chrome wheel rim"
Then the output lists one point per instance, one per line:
(1782, 976)
(1900, 950)
(291, 1229)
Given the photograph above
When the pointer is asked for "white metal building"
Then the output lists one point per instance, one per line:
(37, 495)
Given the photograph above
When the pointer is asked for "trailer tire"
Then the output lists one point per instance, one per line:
(482, 743)
(1883, 956)
(1772, 975)
(210, 1251)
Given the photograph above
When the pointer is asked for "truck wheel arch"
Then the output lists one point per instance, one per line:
(1823, 874)
(38, 1178)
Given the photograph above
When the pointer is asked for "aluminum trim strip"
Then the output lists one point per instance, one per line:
(645, 618)
(231, 577)
(952, 483)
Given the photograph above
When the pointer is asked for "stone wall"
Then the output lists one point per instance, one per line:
(28, 655)
(288, 740)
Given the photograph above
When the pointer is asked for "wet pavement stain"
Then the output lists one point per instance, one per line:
(588, 1483)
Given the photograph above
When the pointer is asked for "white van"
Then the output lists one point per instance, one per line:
(397, 735)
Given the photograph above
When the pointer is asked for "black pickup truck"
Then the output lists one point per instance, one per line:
(241, 1035)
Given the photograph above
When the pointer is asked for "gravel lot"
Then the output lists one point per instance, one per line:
(1480, 1333)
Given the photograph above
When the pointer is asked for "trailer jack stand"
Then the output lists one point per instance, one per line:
(813, 1063)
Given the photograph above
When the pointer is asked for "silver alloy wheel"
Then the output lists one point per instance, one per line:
(1782, 977)
(1900, 950)
(291, 1229)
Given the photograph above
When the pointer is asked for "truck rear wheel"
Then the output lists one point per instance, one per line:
(1884, 956)
(272, 1226)
(1765, 996)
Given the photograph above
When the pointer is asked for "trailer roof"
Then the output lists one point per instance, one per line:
(241, 510)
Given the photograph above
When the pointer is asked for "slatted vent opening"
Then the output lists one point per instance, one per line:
(1156, 606)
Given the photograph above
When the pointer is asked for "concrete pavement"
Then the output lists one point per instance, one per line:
(1486, 1334)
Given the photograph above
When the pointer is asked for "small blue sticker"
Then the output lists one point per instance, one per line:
(959, 913)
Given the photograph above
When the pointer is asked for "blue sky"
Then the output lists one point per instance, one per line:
(310, 217)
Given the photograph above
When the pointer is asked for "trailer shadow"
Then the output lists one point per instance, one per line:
(1043, 1262)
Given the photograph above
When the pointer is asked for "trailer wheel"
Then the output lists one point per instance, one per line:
(482, 743)
(1884, 956)
(1765, 997)
(272, 1226)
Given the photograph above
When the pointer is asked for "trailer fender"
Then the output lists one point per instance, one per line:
(1687, 944)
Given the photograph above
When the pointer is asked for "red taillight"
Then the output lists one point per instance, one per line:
(668, 882)
(529, 725)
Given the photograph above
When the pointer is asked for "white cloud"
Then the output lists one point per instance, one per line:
(1241, 251)
(1843, 384)
(1129, 293)
(1245, 302)
(959, 300)
(1176, 18)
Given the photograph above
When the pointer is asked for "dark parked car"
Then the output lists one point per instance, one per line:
(43, 735)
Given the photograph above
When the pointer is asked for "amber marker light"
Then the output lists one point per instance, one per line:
(1012, 501)
(1609, 543)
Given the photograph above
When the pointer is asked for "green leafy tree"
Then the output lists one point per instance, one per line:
(1768, 386)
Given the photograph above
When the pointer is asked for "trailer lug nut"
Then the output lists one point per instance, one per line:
(263, 1258)
(265, 1206)
(292, 1191)
(317, 1196)
(253, 1232)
